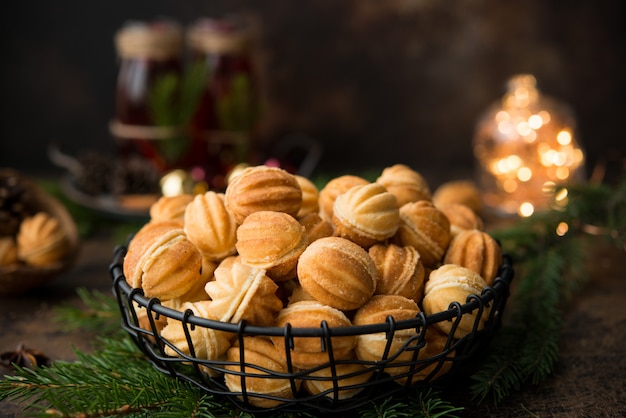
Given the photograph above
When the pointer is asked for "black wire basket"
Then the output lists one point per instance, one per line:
(346, 385)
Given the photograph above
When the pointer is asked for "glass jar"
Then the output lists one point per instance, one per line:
(525, 146)
(228, 108)
(146, 124)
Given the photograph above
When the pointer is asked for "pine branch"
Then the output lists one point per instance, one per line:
(420, 404)
(100, 312)
(116, 381)
(526, 349)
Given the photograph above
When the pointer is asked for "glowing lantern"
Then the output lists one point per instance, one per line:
(524, 146)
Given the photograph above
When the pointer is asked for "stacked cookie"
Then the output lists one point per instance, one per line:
(273, 250)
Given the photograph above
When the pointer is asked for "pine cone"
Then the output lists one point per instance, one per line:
(136, 176)
(16, 202)
(97, 172)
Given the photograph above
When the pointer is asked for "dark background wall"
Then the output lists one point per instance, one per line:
(377, 82)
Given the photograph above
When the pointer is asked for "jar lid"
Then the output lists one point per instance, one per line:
(219, 36)
(159, 40)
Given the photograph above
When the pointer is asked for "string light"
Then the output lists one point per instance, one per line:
(525, 146)
(562, 228)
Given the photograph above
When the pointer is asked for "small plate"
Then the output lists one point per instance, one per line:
(131, 206)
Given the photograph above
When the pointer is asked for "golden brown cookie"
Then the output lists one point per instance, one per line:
(259, 352)
(243, 293)
(427, 229)
(41, 240)
(334, 188)
(310, 197)
(197, 292)
(338, 273)
(162, 261)
(405, 183)
(170, 208)
(210, 227)
(477, 251)
(350, 378)
(262, 188)
(308, 352)
(464, 192)
(272, 241)
(372, 347)
(461, 217)
(431, 362)
(400, 271)
(316, 227)
(208, 343)
(366, 214)
(453, 283)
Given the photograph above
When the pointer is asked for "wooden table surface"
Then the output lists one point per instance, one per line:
(589, 381)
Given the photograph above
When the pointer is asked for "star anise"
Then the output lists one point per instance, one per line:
(24, 357)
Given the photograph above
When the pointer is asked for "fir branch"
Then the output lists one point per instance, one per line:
(116, 381)
(100, 312)
(420, 404)
(526, 349)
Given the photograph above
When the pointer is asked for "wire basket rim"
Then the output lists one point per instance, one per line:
(455, 309)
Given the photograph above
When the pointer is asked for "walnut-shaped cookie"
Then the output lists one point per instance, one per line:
(208, 343)
(350, 379)
(162, 261)
(452, 283)
(427, 229)
(400, 271)
(262, 188)
(477, 251)
(259, 355)
(461, 217)
(464, 192)
(316, 227)
(366, 214)
(310, 197)
(197, 292)
(210, 227)
(272, 241)
(338, 273)
(41, 240)
(309, 352)
(243, 293)
(170, 208)
(405, 183)
(373, 347)
(334, 188)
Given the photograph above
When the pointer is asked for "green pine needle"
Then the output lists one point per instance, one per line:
(420, 404)
(115, 381)
(552, 270)
(100, 312)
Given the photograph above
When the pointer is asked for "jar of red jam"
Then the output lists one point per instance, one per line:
(150, 71)
(228, 107)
